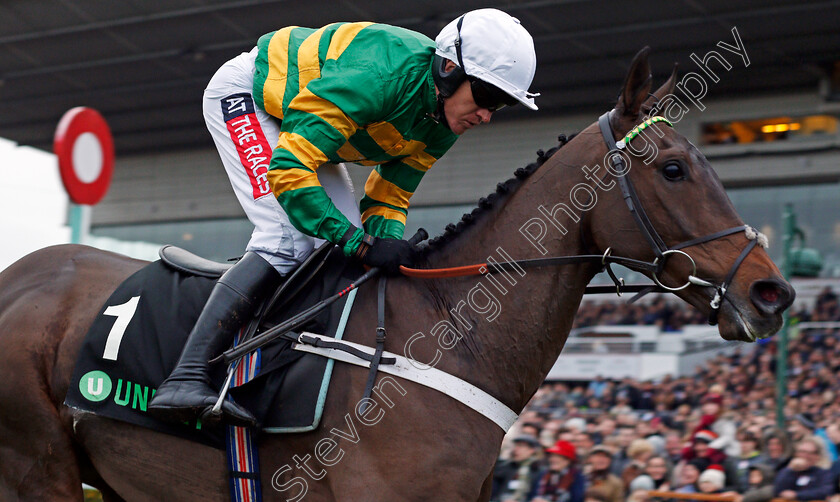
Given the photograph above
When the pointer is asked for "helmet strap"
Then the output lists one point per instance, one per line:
(440, 114)
(445, 80)
(458, 43)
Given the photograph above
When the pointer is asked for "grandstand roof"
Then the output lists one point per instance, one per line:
(144, 63)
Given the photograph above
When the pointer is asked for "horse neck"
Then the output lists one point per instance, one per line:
(512, 332)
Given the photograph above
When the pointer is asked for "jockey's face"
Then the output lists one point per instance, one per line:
(461, 111)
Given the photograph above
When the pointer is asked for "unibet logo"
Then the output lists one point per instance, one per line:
(95, 386)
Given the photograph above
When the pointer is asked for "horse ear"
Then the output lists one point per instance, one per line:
(637, 85)
(666, 89)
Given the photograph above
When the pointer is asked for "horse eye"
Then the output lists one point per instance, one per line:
(673, 172)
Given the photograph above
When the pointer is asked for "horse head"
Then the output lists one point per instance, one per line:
(676, 214)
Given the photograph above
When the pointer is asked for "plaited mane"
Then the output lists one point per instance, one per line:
(503, 190)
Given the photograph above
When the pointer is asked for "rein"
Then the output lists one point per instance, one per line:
(661, 250)
(515, 265)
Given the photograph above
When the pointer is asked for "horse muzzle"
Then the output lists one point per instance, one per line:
(758, 314)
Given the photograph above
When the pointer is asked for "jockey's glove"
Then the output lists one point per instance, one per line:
(387, 254)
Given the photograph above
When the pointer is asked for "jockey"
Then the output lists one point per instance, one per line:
(287, 114)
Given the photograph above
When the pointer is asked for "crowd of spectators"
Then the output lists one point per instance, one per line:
(661, 312)
(714, 432)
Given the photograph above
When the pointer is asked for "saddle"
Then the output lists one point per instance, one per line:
(136, 339)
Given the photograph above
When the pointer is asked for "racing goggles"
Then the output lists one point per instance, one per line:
(489, 96)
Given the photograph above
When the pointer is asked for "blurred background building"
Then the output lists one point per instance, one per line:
(768, 122)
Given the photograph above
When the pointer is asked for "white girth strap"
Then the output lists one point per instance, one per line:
(433, 378)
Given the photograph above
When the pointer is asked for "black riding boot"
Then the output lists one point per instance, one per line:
(187, 392)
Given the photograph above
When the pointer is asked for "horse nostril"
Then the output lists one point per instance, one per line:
(768, 293)
(771, 296)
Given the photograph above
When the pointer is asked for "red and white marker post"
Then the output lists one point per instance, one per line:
(85, 151)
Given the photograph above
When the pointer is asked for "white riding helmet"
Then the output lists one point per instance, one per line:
(494, 48)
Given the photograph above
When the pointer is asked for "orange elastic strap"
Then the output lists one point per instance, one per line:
(445, 272)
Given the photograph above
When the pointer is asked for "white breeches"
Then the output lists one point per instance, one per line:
(245, 137)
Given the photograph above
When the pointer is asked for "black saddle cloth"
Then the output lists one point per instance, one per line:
(137, 337)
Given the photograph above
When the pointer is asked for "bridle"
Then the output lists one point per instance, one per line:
(661, 250)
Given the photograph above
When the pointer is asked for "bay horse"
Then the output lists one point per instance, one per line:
(418, 444)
